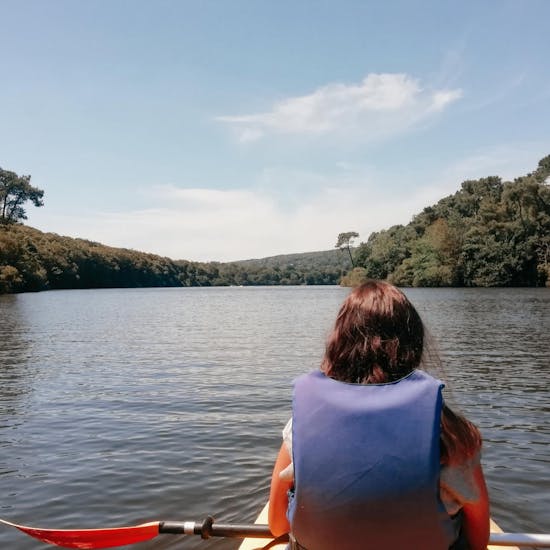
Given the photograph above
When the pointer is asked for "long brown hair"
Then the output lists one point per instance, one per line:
(378, 337)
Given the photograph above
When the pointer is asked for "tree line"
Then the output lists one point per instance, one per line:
(489, 233)
(31, 260)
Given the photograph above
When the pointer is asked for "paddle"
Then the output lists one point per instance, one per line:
(87, 539)
(119, 536)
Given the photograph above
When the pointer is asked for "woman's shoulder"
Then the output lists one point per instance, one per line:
(457, 483)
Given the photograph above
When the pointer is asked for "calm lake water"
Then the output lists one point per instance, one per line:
(124, 406)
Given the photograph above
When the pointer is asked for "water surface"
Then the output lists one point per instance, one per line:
(123, 406)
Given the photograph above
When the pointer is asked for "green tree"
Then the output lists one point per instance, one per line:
(15, 191)
(344, 242)
(527, 202)
(488, 233)
(433, 259)
(385, 250)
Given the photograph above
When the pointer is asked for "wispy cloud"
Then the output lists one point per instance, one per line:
(380, 105)
(500, 92)
(506, 160)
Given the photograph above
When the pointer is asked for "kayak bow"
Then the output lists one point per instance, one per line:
(497, 538)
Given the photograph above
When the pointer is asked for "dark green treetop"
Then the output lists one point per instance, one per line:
(15, 191)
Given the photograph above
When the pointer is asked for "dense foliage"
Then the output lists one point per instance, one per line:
(489, 233)
(310, 268)
(31, 260)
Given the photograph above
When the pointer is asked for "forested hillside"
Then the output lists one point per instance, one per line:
(315, 268)
(308, 268)
(489, 233)
(31, 260)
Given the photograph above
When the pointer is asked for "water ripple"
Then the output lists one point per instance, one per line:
(122, 406)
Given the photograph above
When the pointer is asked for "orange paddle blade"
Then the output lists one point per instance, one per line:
(91, 538)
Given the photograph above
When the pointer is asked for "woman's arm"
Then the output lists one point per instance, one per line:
(476, 515)
(278, 499)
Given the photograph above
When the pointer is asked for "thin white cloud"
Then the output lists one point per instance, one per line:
(380, 105)
(441, 99)
(500, 92)
(507, 161)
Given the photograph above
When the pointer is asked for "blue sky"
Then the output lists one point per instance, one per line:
(236, 129)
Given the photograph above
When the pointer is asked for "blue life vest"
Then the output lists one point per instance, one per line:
(366, 465)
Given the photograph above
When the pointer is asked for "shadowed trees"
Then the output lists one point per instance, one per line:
(31, 260)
